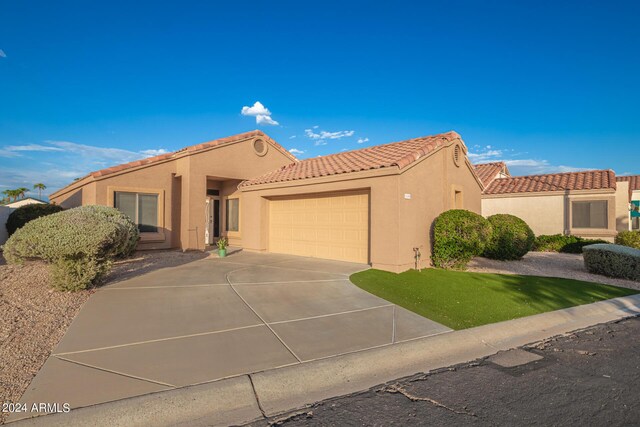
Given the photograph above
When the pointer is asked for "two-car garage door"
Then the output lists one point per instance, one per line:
(332, 226)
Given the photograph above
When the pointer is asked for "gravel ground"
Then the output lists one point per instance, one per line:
(550, 264)
(34, 317)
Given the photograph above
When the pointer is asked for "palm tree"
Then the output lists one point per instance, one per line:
(20, 192)
(11, 194)
(40, 187)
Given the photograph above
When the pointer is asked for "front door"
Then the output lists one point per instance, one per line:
(213, 220)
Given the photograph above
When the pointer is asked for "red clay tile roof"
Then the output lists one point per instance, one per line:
(634, 182)
(399, 154)
(192, 149)
(587, 180)
(487, 172)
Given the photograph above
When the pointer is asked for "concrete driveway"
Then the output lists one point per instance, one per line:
(213, 319)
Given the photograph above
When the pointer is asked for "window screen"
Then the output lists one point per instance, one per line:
(141, 208)
(232, 214)
(148, 213)
(589, 214)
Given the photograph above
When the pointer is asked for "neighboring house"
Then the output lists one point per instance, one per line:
(5, 211)
(587, 204)
(373, 205)
(633, 182)
(25, 201)
(487, 172)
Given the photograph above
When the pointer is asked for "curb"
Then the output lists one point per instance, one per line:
(273, 392)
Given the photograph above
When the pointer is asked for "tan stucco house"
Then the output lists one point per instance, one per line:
(373, 205)
(591, 204)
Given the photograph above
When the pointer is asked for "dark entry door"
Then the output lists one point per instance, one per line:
(216, 218)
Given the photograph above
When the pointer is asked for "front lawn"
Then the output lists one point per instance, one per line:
(462, 300)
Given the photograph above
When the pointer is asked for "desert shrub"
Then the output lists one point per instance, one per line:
(613, 260)
(458, 236)
(511, 238)
(629, 238)
(26, 213)
(562, 243)
(79, 243)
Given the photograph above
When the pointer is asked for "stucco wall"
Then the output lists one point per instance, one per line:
(4, 215)
(551, 213)
(622, 206)
(544, 214)
(397, 224)
(182, 184)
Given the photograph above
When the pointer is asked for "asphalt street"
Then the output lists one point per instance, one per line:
(591, 377)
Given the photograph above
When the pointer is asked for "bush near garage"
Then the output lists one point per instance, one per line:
(563, 243)
(458, 236)
(22, 215)
(80, 244)
(613, 261)
(628, 238)
(511, 238)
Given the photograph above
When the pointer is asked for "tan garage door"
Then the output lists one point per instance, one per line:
(332, 226)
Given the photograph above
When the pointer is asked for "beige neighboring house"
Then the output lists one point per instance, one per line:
(588, 204)
(25, 201)
(633, 183)
(373, 205)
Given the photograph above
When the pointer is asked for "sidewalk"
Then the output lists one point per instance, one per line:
(269, 393)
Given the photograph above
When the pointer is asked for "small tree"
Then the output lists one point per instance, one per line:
(40, 187)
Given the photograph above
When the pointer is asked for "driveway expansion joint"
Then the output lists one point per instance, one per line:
(258, 315)
(110, 371)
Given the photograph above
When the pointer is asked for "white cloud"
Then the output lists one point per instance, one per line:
(292, 137)
(362, 140)
(151, 153)
(15, 150)
(320, 137)
(520, 166)
(328, 135)
(260, 112)
(257, 110)
(296, 151)
(265, 120)
(2, 54)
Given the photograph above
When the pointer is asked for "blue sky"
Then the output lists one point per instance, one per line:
(546, 86)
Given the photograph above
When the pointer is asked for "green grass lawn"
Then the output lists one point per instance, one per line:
(462, 300)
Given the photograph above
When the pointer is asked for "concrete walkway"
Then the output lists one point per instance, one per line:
(246, 398)
(214, 319)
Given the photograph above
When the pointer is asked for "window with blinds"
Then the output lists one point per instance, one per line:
(142, 208)
(591, 214)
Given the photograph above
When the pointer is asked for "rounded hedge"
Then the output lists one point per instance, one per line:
(562, 243)
(22, 215)
(511, 238)
(458, 236)
(80, 244)
(613, 261)
(629, 238)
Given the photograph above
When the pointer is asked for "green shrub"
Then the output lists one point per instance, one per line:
(562, 243)
(26, 213)
(629, 238)
(511, 238)
(613, 260)
(458, 236)
(79, 243)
